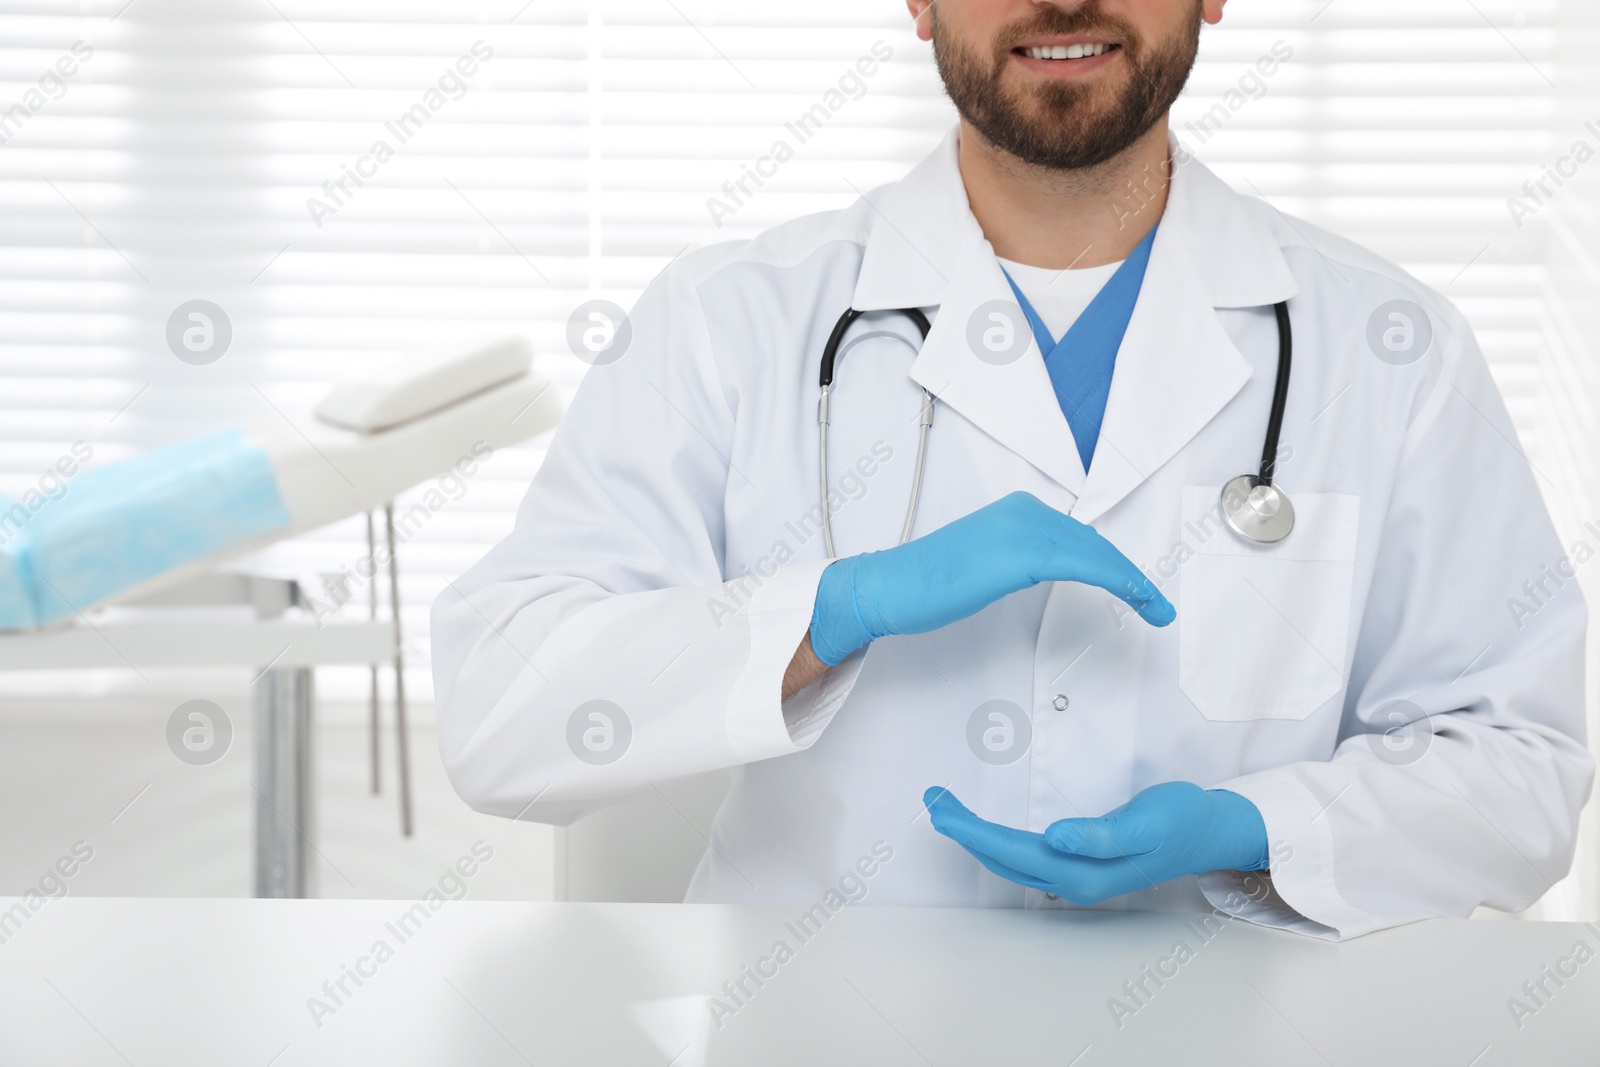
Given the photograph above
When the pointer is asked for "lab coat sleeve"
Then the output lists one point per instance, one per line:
(598, 650)
(1473, 619)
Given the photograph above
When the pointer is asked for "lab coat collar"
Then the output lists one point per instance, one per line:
(1176, 368)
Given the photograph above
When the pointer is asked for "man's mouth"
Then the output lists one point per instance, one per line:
(1084, 50)
(1066, 58)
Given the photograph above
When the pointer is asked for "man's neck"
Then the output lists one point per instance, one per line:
(1061, 219)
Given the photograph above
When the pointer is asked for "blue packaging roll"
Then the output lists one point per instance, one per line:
(116, 526)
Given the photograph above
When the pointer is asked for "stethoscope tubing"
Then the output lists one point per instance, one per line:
(1280, 392)
(830, 353)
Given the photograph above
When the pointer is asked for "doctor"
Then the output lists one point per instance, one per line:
(1376, 718)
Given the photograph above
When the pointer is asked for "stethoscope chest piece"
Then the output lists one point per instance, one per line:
(1256, 511)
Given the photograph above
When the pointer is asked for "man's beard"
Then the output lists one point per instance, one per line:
(1067, 125)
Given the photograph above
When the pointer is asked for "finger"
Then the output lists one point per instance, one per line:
(1156, 610)
(943, 808)
(931, 795)
(1093, 560)
(1017, 849)
(1117, 575)
(996, 867)
(1107, 837)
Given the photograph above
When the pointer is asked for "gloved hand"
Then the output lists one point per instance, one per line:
(1164, 832)
(1014, 543)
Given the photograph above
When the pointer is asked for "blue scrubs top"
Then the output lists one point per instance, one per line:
(1080, 364)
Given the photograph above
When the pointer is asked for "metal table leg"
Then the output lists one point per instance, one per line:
(402, 743)
(372, 691)
(285, 812)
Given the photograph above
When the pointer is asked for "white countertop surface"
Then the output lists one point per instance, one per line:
(161, 981)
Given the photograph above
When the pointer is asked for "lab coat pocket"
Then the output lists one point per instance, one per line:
(1263, 629)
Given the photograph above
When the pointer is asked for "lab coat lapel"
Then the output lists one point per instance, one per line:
(925, 249)
(1010, 400)
(1178, 367)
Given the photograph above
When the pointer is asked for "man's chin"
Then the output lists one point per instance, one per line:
(1065, 139)
(1050, 107)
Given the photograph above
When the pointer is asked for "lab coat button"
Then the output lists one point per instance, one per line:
(1060, 702)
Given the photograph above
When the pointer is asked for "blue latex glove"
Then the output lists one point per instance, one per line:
(1014, 543)
(1167, 831)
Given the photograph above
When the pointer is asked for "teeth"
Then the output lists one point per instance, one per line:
(1067, 51)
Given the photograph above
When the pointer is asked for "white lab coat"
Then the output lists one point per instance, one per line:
(667, 555)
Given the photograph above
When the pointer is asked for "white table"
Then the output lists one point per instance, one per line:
(116, 981)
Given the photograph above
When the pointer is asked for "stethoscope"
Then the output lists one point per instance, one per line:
(830, 353)
(1254, 508)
